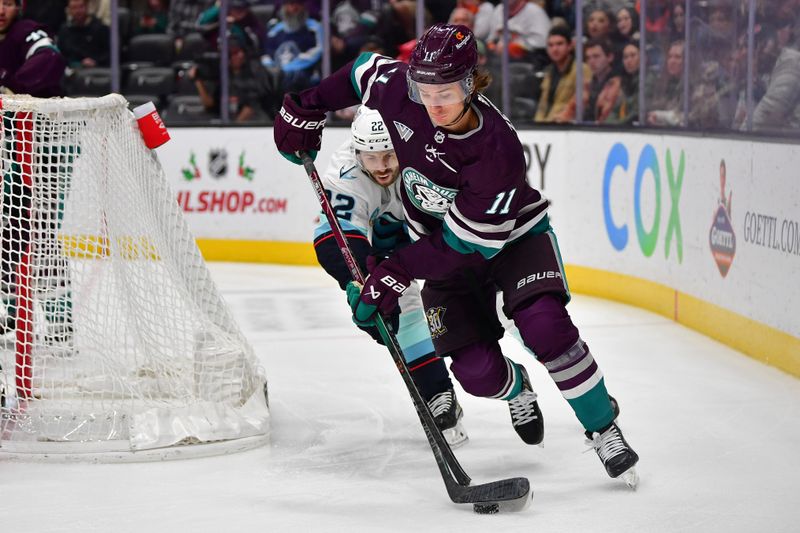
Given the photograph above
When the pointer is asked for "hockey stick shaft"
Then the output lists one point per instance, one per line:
(445, 459)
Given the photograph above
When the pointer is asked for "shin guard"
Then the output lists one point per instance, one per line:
(548, 331)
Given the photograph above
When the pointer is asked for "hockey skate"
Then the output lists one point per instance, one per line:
(447, 413)
(616, 455)
(526, 417)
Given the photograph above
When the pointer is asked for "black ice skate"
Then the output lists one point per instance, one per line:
(526, 416)
(615, 453)
(447, 413)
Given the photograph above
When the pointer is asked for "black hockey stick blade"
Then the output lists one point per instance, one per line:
(507, 495)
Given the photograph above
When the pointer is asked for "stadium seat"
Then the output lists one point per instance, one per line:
(186, 109)
(184, 84)
(157, 48)
(263, 13)
(124, 18)
(90, 82)
(151, 80)
(135, 100)
(194, 44)
(522, 109)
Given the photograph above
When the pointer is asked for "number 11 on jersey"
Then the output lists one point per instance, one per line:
(499, 199)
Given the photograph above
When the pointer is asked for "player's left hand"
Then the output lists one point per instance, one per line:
(380, 293)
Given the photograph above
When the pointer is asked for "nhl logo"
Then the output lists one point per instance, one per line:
(439, 137)
(722, 240)
(218, 162)
(435, 323)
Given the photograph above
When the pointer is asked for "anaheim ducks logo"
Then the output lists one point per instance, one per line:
(435, 322)
(426, 195)
(459, 35)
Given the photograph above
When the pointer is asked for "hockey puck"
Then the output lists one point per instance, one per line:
(486, 508)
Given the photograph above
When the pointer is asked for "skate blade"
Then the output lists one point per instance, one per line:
(456, 436)
(630, 477)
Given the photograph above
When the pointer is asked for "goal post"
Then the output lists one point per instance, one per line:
(116, 344)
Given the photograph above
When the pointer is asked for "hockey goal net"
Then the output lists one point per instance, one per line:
(115, 341)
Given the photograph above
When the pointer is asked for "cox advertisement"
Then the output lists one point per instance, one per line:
(714, 219)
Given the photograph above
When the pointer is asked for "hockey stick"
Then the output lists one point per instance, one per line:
(511, 494)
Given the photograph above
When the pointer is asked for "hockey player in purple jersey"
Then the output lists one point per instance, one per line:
(478, 226)
(362, 183)
(30, 63)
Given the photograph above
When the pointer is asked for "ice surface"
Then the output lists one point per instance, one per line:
(717, 433)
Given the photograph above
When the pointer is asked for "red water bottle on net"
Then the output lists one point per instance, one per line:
(154, 132)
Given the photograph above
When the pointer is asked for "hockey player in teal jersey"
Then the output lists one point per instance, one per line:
(361, 183)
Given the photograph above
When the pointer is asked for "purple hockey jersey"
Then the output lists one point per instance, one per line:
(463, 195)
(30, 63)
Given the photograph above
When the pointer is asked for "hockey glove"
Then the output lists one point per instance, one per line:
(387, 233)
(353, 292)
(298, 129)
(380, 293)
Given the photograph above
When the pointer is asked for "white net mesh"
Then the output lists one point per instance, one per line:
(114, 337)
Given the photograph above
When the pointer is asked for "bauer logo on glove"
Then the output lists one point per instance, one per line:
(300, 130)
(301, 124)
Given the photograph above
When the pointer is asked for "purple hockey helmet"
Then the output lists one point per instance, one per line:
(446, 53)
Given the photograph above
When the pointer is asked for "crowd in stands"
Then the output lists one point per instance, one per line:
(170, 54)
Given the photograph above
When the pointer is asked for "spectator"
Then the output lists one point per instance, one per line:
(30, 62)
(601, 24)
(780, 107)
(463, 16)
(242, 25)
(657, 17)
(666, 97)
(605, 86)
(783, 28)
(101, 10)
(51, 13)
(251, 96)
(153, 19)
(84, 40)
(628, 24)
(678, 22)
(562, 11)
(183, 17)
(294, 47)
(557, 101)
(440, 9)
(350, 31)
(397, 25)
(483, 11)
(626, 110)
(528, 25)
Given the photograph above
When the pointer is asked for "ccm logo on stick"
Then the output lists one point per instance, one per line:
(301, 124)
(550, 274)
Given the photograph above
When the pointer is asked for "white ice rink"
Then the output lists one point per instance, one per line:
(718, 435)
